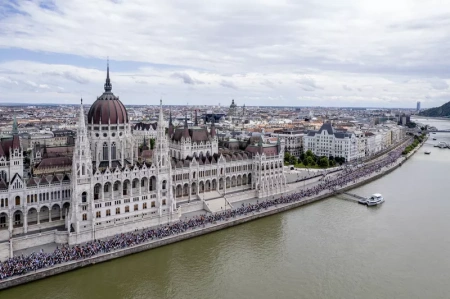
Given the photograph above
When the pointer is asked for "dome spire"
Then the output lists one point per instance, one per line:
(108, 86)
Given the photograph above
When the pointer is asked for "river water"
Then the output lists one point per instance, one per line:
(330, 249)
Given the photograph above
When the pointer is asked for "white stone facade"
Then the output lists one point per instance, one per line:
(326, 142)
(109, 192)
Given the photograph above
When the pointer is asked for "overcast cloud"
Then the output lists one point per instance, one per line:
(259, 52)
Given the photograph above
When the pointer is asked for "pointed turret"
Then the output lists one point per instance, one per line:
(161, 146)
(161, 160)
(15, 127)
(81, 177)
(82, 152)
(81, 120)
(15, 132)
(278, 144)
(161, 115)
(171, 128)
(108, 85)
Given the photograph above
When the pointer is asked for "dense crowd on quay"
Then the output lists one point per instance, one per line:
(20, 265)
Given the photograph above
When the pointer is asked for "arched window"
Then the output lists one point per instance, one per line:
(83, 170)
(152, 185)
(83, 197)
(105, 151)
(113, 151)
(164, 185)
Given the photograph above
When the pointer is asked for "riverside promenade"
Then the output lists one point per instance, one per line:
(207, 228)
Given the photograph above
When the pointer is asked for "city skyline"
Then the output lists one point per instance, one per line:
(261, 54)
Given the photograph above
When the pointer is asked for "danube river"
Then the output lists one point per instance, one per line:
(331, 249)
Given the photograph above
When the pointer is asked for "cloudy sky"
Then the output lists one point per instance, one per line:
(380, 53)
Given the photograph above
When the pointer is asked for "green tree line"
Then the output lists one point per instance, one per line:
(310, 160)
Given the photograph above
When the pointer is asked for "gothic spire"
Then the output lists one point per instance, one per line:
(196, 120)
(161, 115)
(108, 86)
(15, 127)
(81, 121)
(170, 124)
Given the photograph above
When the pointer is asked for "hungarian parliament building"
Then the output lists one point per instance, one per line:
(107, 186)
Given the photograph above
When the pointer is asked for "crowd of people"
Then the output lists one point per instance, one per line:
(20, 265)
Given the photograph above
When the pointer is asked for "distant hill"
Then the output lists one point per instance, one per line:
(443, 111)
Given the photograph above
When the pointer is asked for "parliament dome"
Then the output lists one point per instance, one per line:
(107, 109)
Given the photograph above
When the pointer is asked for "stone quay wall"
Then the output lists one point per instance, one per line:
(43, 273)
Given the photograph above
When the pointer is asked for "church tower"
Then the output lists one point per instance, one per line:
(81, 216)
(15, 153)
(161, 160)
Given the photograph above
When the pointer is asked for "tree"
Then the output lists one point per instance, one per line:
(152, 143)
(309, 161)
(287, 157)
(339, 160)
(323, 162)
(293, 160)
(302, 156)
(309, 153)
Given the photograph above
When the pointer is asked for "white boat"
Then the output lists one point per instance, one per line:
(442, 144)
(374, 200)
(427, 152)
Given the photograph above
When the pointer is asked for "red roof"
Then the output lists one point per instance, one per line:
(55, 162)
(16, 142)
(107, 109)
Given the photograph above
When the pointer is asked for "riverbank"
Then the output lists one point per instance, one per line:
(182, 236)
(430, 117)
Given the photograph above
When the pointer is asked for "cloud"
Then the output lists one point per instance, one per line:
(346, 87)
(8, 81)
(308, 84)
(268, 83)
(186, 78)
(313, 47)
(228, 84)
(69, 76)
(438, 83)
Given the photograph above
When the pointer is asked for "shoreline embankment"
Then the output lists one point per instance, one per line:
(73, 265)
